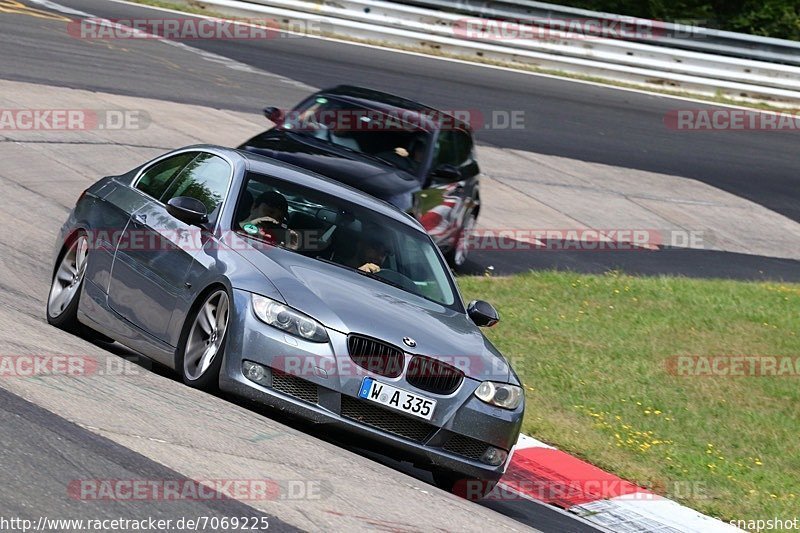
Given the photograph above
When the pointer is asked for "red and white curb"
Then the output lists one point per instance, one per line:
(540, 472)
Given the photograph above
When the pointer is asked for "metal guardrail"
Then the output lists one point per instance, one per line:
(615, 51)
(621, 60)
(682, 36)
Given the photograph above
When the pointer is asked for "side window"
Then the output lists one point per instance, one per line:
(445, 149)
(205, 178)
(463, 148)
(155, 180)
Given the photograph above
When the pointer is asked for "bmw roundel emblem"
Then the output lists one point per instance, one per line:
(408, 341)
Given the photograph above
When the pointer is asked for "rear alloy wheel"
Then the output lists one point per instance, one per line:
(468, 488)
(62, 303)
(458, 256)
(202, 348)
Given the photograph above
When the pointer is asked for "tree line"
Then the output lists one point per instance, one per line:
(769, 18)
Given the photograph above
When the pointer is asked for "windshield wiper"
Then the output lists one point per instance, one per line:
(331, 262)
(374, 275)
(365, 154)
(300, 133)
(367, 274)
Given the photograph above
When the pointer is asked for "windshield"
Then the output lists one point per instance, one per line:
(329, 229)
(387, 138)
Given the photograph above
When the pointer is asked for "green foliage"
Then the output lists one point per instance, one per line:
(771, 18)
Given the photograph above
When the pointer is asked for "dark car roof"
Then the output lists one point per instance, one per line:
(390, 104)
(282, 170)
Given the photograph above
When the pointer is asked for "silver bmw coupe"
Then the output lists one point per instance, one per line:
(265, 280)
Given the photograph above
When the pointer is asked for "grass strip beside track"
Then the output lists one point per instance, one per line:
(593, 352)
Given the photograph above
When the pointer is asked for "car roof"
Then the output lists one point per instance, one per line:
(391, 104)
(281, 170)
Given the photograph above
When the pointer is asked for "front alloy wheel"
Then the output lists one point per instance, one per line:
(62, 303)
(205, 342)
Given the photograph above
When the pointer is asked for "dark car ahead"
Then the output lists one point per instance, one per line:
(413, 156)
(296, 291)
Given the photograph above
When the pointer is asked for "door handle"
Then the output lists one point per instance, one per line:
(140, 218)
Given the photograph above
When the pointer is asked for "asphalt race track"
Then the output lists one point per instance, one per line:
(670, 261)
(32, 434)
(153, 427)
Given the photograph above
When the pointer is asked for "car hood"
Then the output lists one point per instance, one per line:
(382, 181)
(348, 302)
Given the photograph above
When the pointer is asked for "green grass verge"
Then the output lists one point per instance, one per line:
(592, 351)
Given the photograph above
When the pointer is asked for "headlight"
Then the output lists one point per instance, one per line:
(284, 317)
(500, 394)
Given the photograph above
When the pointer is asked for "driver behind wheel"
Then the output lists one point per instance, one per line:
(270, 207)
(267, 219)
(412, 156)
(370, 255)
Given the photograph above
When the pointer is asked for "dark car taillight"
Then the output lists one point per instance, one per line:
(433, 376)
(376, 356)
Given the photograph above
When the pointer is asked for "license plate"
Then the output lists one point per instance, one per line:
(398, 399)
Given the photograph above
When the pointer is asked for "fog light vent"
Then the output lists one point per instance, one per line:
(494, 456)
(255, 372)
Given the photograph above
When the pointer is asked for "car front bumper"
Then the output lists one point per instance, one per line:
(319, 382)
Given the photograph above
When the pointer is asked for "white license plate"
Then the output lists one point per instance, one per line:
(399, 399)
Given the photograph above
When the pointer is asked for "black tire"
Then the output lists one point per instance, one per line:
(472, 489)
(208, 379)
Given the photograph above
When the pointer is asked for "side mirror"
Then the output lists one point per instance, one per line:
(446, 173)
(275, 114)
(483, 314)
(189, 210)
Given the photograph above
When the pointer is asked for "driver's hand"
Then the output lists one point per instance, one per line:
(294, 240)
(370, 268)
(259, 220)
